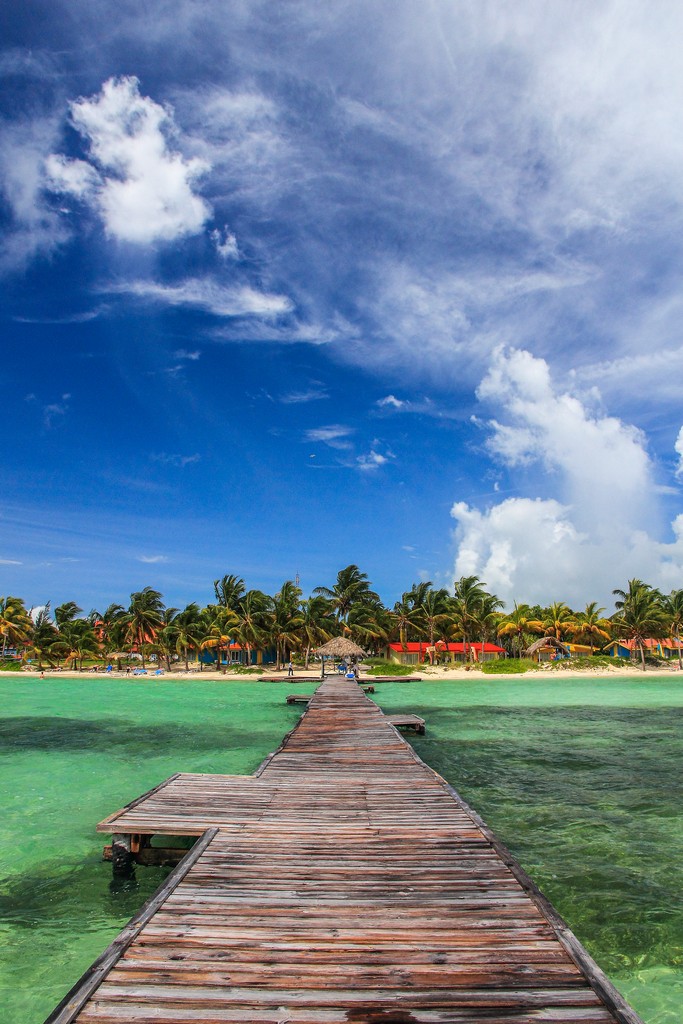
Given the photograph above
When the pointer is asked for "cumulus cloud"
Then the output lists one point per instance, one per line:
(391, 401)
(601, 462)
(601, 529)
(225, 243)
(678, 448)
(141, 187)
(373, 460)
(210, 296)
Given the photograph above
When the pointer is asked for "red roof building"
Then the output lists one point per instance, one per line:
(414, 653)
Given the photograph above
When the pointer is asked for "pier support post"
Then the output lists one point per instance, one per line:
(123, 865)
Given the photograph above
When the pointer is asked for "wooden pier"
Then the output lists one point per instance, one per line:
(344, 881)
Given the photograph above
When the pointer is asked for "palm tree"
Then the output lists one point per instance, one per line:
(317, 624)
(110, 627)
(521, 620)
(433, 606)
(352, 588)
(66, 612)
(285, 621)
(640, 615)
(558, 621)
(369, 625)
(408, 618)
(16, 624)
(44, 635)
(144, 618)
(166, 639)
(188, 631)
(672, 606)
(465, 608)
(76, 640)
(252, 618)
(591, 626)
(220, 624)
(489, 617)
(229, 591)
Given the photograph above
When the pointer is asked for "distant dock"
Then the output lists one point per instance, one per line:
(345, 881)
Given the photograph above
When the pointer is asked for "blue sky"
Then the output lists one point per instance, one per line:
(287, 287)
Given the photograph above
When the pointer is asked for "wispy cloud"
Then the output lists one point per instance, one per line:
(152, 559)
(175, 459)
(208, 295)
(334, 436)
(9, 561)
(315, 393)
(51, 412)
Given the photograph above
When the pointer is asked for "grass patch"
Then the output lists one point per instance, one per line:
(507, 666)
(390, 668)
(10, 665)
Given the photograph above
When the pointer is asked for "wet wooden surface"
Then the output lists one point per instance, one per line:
(345, 882)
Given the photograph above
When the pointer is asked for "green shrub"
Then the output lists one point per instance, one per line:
(507, 666)
(389, 668)
(10, 665)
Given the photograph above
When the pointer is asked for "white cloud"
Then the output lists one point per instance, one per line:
(152, 559)
(313, 394)
(34, 228)
(10, 561)
(392, 401)
(601, 532)
(141, 188)
(174, 459)
(372, 460)
(182, 353)
(225, 243)
(209, 295)
(334, 436)
(602, 463)
(678, 448)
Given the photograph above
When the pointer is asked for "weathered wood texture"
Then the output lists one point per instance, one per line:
(346, 883)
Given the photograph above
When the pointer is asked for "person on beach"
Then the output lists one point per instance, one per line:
(290, 668)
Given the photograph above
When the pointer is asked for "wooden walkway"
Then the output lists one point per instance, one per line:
(343, 882)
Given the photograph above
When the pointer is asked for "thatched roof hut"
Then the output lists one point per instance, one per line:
(340, 647)
(547, 647)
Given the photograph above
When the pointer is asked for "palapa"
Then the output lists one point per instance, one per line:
(544, 643)
(340, 647)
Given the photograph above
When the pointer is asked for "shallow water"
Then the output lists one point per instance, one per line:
(72, 752)
(581, 779)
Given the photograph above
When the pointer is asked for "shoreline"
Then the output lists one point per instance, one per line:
(429, 675)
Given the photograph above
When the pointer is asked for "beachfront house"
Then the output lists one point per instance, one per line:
(235, 654)
(578, 650)
(665, 649)
(441, 652)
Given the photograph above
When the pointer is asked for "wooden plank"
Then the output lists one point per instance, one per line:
(346, 881)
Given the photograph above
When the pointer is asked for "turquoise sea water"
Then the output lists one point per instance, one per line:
(581, 779)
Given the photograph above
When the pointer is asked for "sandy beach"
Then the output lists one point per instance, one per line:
(428, 674)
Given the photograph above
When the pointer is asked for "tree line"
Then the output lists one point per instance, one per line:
(292, 625)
